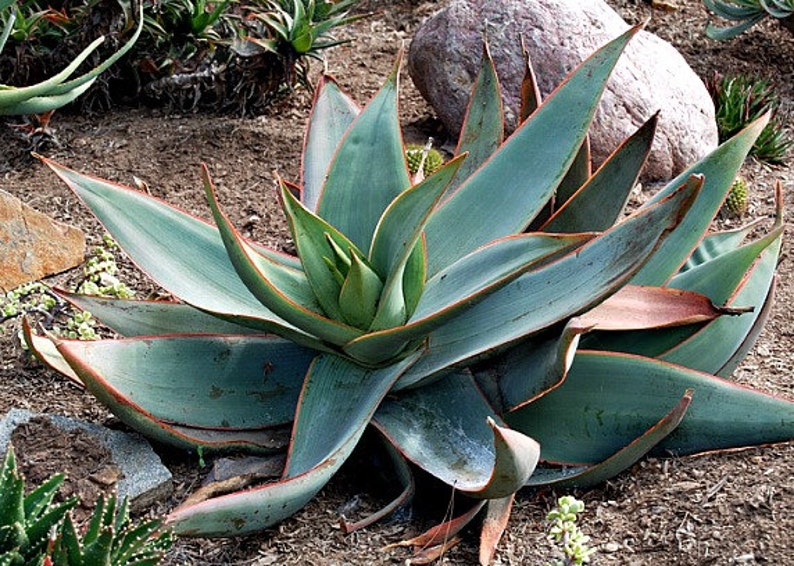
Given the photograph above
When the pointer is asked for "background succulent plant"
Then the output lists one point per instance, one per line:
(428, 311)
(37, 531)
(747, 13)
(299, 29)
(58, 90)
(190, 53)
(739, 100)
(27, 519)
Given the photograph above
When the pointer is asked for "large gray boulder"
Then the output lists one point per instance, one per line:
(445, 53)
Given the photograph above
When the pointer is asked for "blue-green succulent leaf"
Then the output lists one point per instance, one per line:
(566, 477)
(129, 317)
(529, 369)
(718, 243)
(601, 200)
(318, 243)
(465, 283)
(537, 300)
(287, 292)
(336, 404)
(483, 127)
(449, 430)
(719, 169)
(166, 242)
(332, 113)
(358, 298)
(166, 387)
(617, 397)
(506, 193)
(368, 171)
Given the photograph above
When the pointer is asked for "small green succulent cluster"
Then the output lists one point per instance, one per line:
(747, 13)
(34, 296)
(100, 273)
(564, 532)
(99, 279)
(740, 99)
(36, 531)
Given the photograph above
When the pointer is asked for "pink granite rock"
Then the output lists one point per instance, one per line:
(444, 59)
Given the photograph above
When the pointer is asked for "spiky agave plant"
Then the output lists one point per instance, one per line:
(747, 13)
(58, 90)
(26, 520)
(429, 312)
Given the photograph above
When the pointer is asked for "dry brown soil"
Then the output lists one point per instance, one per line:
(714, 509)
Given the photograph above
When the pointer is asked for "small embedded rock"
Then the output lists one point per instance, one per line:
(32, 245)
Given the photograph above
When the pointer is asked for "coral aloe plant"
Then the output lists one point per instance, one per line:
(446, 314)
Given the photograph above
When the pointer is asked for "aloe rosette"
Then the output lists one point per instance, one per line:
(445, 312)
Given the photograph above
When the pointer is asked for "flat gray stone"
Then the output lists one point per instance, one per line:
(144, 479)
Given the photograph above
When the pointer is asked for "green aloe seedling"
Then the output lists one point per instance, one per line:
(428, 310)
(58, 90)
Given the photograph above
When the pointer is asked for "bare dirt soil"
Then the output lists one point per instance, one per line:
(713, 509)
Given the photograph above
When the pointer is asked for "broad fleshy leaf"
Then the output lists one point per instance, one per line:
(483, 127)
(640, 308)
(396, 237)
(317, 243)
(723, 338)
(332, 113)
(718, 243)
(167, 387)
(505, 194)
(609, 399)
(722, 279)
(358, 298)
(536, 300)
(129, 317)
(449, 422)
(585, 476)
(529, 369)
(164, 242)
(465, 283)
(401, 224)
(336, 403)
(284, 290)
(719, 168)
(368, 170)
(601, 200)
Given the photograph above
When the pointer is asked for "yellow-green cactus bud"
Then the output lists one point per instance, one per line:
(413, 154)
(736, 202)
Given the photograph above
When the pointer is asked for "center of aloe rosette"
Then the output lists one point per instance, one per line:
(360, 287)
(369, 292)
